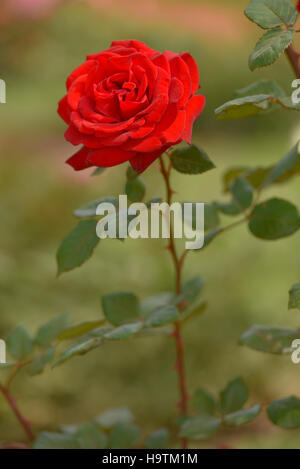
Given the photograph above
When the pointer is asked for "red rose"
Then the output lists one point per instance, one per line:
(298, 5)
(130, 102)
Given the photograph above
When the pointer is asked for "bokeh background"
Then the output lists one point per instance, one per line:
(246, 280)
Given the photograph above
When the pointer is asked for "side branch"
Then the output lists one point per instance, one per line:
(14, 407)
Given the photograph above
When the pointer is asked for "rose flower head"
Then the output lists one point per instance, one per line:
(130, 103)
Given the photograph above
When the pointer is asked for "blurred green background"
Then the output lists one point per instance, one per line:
(246, 280)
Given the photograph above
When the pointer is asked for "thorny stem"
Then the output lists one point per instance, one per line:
(5, 389)
(294, 58)
(178, 263)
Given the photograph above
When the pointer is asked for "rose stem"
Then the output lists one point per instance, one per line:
(13, 403)
(294, 58)
(178, 263)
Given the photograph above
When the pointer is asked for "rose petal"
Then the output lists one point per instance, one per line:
(63, 109)
(180, 70)
(176, 90)
(168, 131)
(193, 69)
(137, 45)
(158, 105)
(83, 69)
(79, 160)
(141, 61)
(160, 60)
(76, 91)
(193, 110)
(73, 136)
(130, 108)
(97, 128)
(109, 156)
(88, 112)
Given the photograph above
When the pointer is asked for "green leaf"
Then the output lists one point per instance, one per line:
(271, 13)
(135, 190)
(131, 174)
(112, 417)
(78, 246)
(285, 168)
(49, 440)
(79, 349)
(255, 176)
(165, 331)
(135, 187)
(69, 429)
(269, 339)
(52, 329)
(229, 208)
(270, 46)
(242, 196)
(268, 87)
(200, 427)
(285, 412)
(165, 315)
(126, 331)
(242, 416)
(98, 171)
(155, 302)
(259, 97)
(80, 329)
(191, 160)
(90, 209)
(19, 343)
(39, 362)
(204, 401)
(246, 106)
(242, 192)
(97, 333)
(234, 396)
(190, 290)
(261, 177)
(124, 436)
(274, 219)
(193, 311)
(287, 103)
(211, 216)
(90, 437)
(120, 307)
(157, 439)
(294, 297)
(209, 237)
(240, 108)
